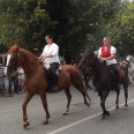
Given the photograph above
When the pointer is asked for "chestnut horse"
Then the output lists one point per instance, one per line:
(103, 79)
(35, 83)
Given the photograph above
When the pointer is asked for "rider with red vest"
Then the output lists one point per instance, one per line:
(107, 53)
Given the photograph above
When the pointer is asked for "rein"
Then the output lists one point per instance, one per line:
(30, 70)
(88, 61)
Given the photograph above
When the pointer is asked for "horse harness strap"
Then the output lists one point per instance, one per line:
(90, 61)
(14, 67)
(30, 70)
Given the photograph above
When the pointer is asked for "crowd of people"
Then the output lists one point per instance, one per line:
(16, 80)
(123, 63)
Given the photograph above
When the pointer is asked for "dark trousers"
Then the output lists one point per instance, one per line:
(54, 67)
(116, 72)
(10, 80)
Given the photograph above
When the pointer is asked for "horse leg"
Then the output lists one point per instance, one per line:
(69, 100)
(126, 95)
(44, 102)
(86, 80)
(86, 84)
(103, 99)
(24, 105)
(84, 93)
(117, 99)
(89, 77)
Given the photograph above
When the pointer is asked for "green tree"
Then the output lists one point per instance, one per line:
(26, 22)
(121, 30)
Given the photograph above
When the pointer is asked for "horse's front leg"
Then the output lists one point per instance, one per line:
(24, 106)
(44, 102)
(103, 99)
(86, 83)
(117, 99)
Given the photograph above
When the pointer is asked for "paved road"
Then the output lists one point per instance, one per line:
(80, 120)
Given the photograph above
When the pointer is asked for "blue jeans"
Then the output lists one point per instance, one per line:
(10, 80)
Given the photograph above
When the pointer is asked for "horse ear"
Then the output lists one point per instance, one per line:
(93, 49)
(17, 48)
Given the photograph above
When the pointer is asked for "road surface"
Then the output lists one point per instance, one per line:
(80, 119)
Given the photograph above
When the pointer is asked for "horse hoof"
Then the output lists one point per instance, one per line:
(117, 106)
(26, 124)
(45, 122)
(125, 108)
(107, 113)
(64, 113)
(102, 117)
(88, 104)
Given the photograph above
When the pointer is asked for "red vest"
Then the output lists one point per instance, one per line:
(103, 52)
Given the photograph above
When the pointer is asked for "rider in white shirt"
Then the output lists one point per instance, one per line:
(50, 55)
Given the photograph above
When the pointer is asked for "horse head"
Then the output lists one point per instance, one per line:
(87, 59)
(130, 58)
(13, 61)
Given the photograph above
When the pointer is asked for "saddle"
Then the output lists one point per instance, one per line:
(48, 74)
(112, 72)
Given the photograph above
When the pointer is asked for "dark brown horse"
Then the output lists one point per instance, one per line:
(35, 83)
(103, 79)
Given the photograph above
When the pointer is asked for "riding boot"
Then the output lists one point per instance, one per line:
(55, 80)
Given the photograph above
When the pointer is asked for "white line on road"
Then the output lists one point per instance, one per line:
(18, 108)
(83, 120)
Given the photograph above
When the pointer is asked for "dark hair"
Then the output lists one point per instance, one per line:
(50, 36)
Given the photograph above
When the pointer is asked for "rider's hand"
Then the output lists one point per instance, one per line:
(103, 59)
(43, 58)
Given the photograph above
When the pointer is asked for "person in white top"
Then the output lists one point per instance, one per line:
(50, 55)
(107, 53)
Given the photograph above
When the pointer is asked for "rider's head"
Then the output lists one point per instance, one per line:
(106, 41)
(49, 39)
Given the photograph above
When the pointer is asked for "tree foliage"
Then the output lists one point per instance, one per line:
(121, 30)
(26, 22)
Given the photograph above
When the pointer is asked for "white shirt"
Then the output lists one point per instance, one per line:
(54, 50)
(109, 62)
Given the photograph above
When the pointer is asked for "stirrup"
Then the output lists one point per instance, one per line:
(55, 88)
(119, 86)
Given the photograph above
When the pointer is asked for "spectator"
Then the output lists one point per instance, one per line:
(10, 80)
(20, 78)
(125, 64)
(63, 63)
(72, 62)
(119, 63)
(2, 82)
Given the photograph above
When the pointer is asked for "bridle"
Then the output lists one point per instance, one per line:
(89, 61)
(16, 62)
